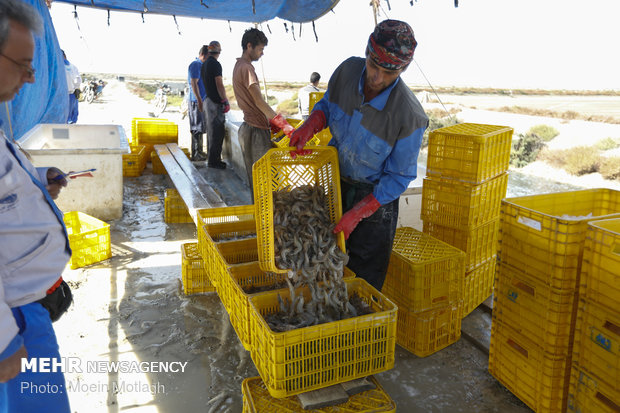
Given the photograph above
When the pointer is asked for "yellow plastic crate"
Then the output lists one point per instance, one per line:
(462, 206)
(175, 210)
(424, 333)
(157, 132)
(256, 399)
(282, 141)
(225, 223)
(250, 275)
(277, 170)
(478, 285)
(133, 164)
(469, 152)
(194, 276)
(587, 393)
(233, 285)
(423, 272)
(597, 341)
(89, 239)
(479, 243)
(314, 357)
(135, 121)
(600, 271)
(325, 135)
(538, 237)
(542, 314)
(225, 255)
(538, 378)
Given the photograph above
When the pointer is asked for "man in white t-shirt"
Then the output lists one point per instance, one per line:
(304, 95)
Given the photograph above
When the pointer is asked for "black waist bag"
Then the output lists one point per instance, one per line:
(58, 302)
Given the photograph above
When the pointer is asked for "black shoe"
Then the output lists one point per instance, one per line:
(217, 165)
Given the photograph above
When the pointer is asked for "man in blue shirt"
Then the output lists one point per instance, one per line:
(197, 95)
(377, 125)
(35, 247)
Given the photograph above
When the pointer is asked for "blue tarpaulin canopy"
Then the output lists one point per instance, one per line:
(46, 101)
(253, 11)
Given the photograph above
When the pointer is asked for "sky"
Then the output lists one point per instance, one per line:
(536, 44)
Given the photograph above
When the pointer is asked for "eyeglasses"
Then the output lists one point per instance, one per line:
(29, 70)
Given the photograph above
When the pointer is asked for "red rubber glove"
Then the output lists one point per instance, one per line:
(279, 122)
(314, 124)
(363, 209)
(226, 105)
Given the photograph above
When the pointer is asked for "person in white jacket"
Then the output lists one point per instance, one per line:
(35, 247)
(74, 81)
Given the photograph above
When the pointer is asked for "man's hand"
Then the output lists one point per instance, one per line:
(226, 105)
(56, 180)
(11, 366)
(314, 124)
(363, 209)
(279, 122)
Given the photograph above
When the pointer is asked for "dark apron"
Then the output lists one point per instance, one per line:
(370, 244)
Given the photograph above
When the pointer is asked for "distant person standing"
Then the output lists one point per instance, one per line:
(214, 106)
(304, 95)
(197, 95)
(254, 132)
(74, 81)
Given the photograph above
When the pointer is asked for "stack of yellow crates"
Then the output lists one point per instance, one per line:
(461, 195)
(193, 274)
(425, 280)
(595, 375)
(150, 132)
(541, 245)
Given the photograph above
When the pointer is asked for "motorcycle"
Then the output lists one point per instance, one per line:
(92, 90)
(161, 99)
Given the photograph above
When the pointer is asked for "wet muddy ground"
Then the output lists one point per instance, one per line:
(131, 308)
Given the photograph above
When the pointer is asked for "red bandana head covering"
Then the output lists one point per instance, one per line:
(391, 45)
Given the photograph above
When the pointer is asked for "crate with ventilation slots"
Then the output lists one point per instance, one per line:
(310, 358)
(223, 224)
(89, 239)
(543, 235)
(277, 170)
(462, 206)
(175, 210)
(600, 271)
(134, 162)
(256, 399)
(469, 152)
(540, 379)
(193, 274)
(423, 272)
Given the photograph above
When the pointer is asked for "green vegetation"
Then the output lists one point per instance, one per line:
(289, 107)
(609, 168)
(544, 132)
(525, 149)
(583, 160)
(607, 144)
(568, 115)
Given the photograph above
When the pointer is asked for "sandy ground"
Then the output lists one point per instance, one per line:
(131, 308)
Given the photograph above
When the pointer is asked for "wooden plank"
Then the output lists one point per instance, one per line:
(192, 173)
(192, 198)
(327, 396)
(357, 386)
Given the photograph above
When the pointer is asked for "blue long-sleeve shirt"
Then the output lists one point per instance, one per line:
(378, 141)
